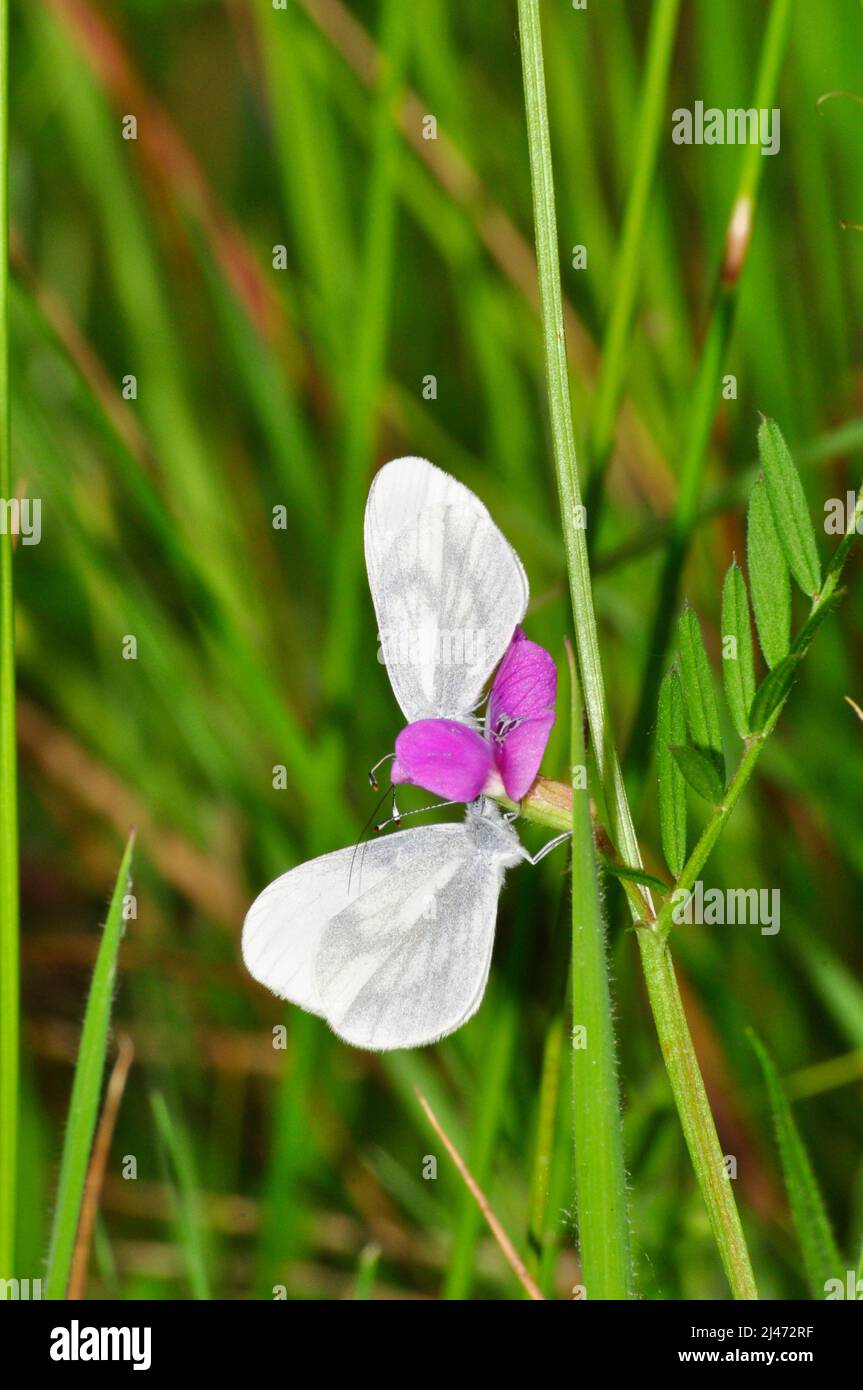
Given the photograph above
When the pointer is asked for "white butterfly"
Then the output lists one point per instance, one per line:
(395, 952)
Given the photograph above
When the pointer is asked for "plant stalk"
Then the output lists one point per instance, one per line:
(598, 1160)
(676, 1043)
(9, 1000)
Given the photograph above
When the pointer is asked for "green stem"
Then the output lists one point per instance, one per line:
(9, 1004)
(545, 804)
(563, 439)
(695, 1114)
(598, 1163)
(697, 859)
(670, 1022)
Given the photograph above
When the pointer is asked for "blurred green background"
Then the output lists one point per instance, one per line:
(262, 388)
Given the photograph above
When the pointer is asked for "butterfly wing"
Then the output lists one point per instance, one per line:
(392, 946)
(283, 926)
(407, 961)
(447, 587)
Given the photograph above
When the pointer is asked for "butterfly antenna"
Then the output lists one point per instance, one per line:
(373, 781)
(363, 834)
(403, 815)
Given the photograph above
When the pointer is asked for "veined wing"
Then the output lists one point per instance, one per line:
(284, 925)
(407, 961)
(447, 586)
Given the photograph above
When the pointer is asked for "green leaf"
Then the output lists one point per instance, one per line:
(702, 711)
(776, 685)
(772, 691)
(790, 509)
(86, 1090)
(820, 1253)
(768, 578)
(671, 729)
(701, 770)
(634, 875)
(738, 668)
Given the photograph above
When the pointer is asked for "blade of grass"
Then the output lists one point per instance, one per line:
(651, 117)
(86, 1090)
(190, 1227)
(367, 368)
(677, 1048)
(293, 1150)
(367, 1272)
(136, 276)
(313, 194)
(546, 1129)
(9, 1003)
(98, 1162)
(552, 1115)
(817, 1242)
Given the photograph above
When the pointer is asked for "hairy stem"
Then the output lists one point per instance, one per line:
(598, 1164)
(676, 1043)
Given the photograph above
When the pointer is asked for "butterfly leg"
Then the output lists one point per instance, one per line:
(546, 849)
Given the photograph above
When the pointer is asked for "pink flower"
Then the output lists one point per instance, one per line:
(459, 763)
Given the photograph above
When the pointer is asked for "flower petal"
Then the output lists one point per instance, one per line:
(444, 757)
(520, 713)
(519, 758)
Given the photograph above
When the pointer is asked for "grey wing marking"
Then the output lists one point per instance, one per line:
(407, 962)
(447, 604)
(283, 926)
(447, 587)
